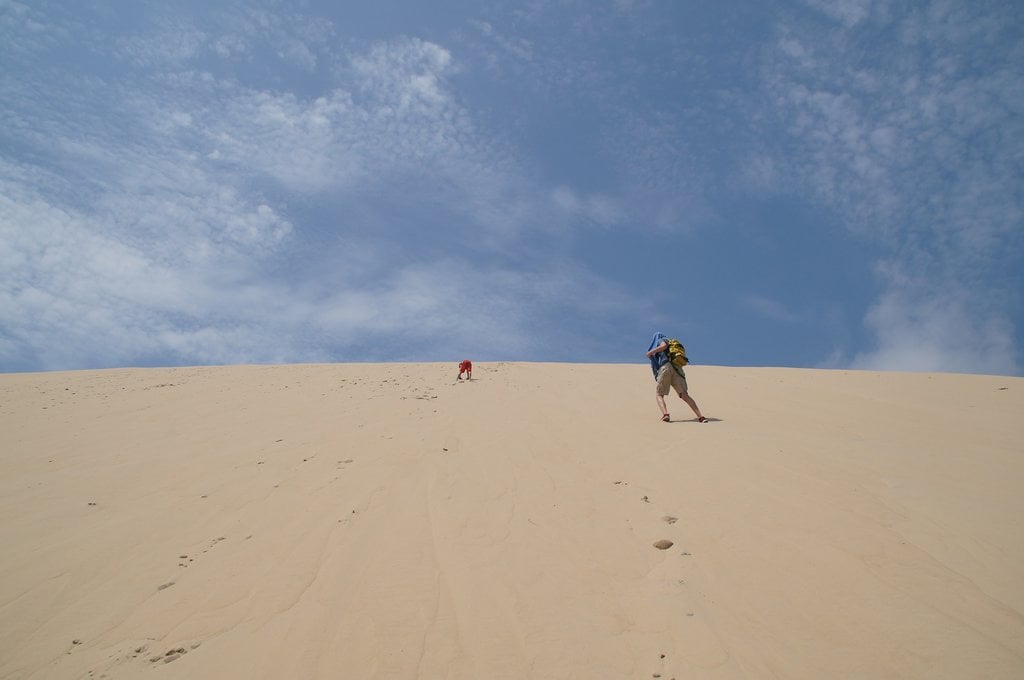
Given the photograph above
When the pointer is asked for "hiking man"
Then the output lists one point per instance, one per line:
(465, 367)
(668, 376)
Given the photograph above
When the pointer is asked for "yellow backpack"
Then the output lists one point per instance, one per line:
(677, 353)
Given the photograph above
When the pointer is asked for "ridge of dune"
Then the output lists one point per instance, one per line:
(386, 521)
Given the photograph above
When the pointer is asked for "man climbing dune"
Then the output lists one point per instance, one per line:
(667, 360)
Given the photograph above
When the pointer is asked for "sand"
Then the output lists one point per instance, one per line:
(384, 521)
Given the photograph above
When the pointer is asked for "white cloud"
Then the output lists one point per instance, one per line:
(110, 283)
(937, 332)
(848, 12)
(27, 29)
(597, 209)
(768, 308)
(406, 74)
(912, 149)
(298, 53)
(230, 46)
(519, 48)
(393, 111)
(306, 145)
(163, 235)
(760, 173)
(173, 42)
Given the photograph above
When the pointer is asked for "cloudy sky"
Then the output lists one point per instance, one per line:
(810, 183)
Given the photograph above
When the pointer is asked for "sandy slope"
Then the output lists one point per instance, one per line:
(380, 521)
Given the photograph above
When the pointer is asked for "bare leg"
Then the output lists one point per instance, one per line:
(685, 396)
(661, 404)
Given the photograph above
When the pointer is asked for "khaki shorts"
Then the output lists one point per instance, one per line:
(670, 377)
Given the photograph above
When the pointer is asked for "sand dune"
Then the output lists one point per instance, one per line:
(381, 521)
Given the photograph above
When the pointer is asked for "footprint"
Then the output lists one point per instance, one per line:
(170, 655)
(663, 544)
(669, 519)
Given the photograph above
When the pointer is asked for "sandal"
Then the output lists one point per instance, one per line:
(665, 418)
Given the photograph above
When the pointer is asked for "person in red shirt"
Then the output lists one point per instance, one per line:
(465, 367)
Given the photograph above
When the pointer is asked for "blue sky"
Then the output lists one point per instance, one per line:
(805, 183)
